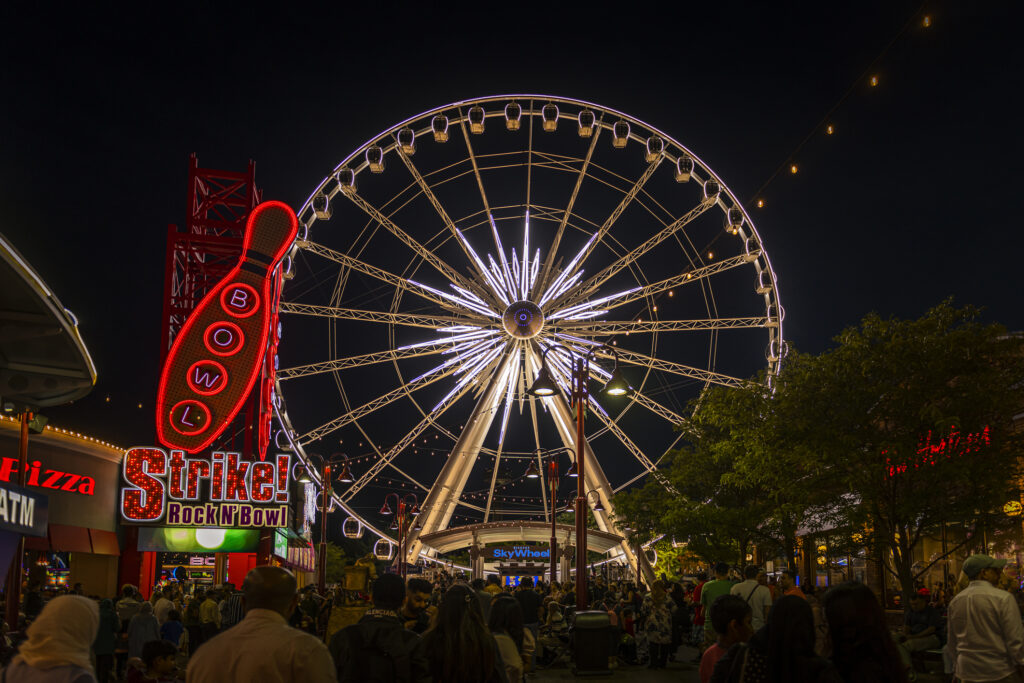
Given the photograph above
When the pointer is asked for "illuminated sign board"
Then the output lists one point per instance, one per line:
(518, 552)
(22, 511)
(280, 545)
(46, 478)
(219, 353)
(181, 540)
(222, 491)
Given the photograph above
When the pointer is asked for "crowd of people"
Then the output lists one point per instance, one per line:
(452, 631)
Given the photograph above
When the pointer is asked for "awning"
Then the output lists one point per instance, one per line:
(43, 360)
(75, 539)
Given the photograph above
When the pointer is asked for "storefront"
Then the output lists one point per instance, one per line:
(197, 521)
(78, 477)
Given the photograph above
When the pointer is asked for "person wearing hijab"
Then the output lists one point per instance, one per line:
(782, 651)
(106, 639)
(143, 628)
(59, 643)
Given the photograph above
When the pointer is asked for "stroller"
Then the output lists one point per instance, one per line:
(554, 644)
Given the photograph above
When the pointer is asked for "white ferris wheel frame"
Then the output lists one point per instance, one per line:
(442, 500)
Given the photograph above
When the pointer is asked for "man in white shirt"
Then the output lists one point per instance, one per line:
(263, 647)
(759, 597)
(986, 637)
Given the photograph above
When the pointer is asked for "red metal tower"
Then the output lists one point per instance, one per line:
(209, 246)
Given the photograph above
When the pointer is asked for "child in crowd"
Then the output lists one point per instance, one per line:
(730, 616)
(158, 664)
(173, 628)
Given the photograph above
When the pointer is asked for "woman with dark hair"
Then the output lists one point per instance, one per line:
(515, 643)
(862, 647)
(458, 646)
(782, 651)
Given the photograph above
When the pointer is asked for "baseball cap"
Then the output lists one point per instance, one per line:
(975, 563)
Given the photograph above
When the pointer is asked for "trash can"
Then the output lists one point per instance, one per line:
(591, 643)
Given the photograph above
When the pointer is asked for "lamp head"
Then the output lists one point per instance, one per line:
(544, 385)
(304, 477)
(386, 510)
(346, 475)
(531, 471)
(572, 471)
(617, 384)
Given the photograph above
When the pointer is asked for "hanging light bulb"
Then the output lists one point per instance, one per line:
(386, 510)
(572, 471)
(346, 475)
(531, 471)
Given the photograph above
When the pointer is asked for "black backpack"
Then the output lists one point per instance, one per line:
(370, 663)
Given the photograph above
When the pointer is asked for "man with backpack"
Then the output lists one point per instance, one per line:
(378, 648)
(755, 594)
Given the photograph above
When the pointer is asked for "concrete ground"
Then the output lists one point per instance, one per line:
(683, 670)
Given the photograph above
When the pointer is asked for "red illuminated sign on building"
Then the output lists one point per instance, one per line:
(220, 352)
(166, 488)
(44, 478)
(932, 452)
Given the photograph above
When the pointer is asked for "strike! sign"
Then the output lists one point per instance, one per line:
(222, 491)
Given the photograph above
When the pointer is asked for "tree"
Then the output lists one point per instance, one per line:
(728, 497)
(914, 419)
(335, 564)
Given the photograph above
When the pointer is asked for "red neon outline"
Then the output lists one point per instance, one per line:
(207, 392)
(212, 349)
(241, 285)
(202, 406)
(184, 333)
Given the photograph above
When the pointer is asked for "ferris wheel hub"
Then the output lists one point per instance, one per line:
(523, 320)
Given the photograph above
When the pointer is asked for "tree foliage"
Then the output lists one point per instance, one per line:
(903, 425)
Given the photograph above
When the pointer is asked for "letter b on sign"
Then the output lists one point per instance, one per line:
(239, 300)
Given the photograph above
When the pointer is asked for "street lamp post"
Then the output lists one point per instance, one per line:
(345, 476)
(552, 470)
(544, 385)
(403, 520)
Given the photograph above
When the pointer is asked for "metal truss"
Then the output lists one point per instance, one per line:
(595, 329)
(407, 319)
(395, 281)
(358, 361)
(625, 261)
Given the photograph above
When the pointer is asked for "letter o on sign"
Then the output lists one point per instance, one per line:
(224, 338)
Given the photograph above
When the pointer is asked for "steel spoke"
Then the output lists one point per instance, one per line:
(424, 253)
(361, 360)
(407, 319)
(686, 278)
(337, 423)
(599, 279)
(635, 358)
(445, 218)
(550, 260)
(614, 216)
(589, 328)
(395, 281)
(408, 439)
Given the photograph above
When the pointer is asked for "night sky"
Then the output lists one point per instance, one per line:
(916, 196)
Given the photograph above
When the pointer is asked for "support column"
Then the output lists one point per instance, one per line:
(440, 503)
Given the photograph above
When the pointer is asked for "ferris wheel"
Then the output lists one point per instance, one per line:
(438, 262)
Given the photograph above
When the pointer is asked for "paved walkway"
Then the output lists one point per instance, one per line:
(681, 671)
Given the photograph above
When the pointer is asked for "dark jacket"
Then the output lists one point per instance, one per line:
(110, 626)
(750, 663)
(378, 648)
